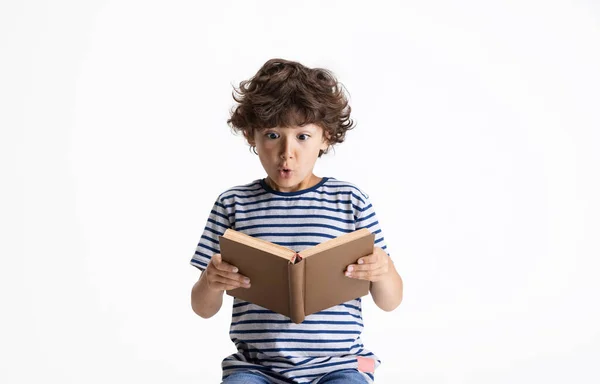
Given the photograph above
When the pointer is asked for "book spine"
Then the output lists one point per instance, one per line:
(296, 281)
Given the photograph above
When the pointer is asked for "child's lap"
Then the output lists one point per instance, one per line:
(245, 378)
(345, 376)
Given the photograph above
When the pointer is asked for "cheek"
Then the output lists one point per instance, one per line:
(266, 144)
(261, 147)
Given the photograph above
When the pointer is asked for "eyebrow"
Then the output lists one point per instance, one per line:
(304, 128)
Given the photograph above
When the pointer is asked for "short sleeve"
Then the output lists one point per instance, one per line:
(216, 225)
(365, 217)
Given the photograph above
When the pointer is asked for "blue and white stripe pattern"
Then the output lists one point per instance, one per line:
(266, 341)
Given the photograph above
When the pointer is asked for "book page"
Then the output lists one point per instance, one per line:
(261, 244)
(331, 243)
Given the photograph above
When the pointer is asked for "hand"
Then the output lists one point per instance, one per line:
(222, 276)
(373, 267)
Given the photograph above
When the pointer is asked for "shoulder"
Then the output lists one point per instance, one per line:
(332, 184)
(244, 190)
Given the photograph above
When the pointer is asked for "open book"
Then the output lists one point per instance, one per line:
(297, 284)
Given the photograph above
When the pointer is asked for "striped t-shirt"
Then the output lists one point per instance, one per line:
(268, 342)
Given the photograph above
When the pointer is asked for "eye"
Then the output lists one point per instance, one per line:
(272, 135)
(303, 136)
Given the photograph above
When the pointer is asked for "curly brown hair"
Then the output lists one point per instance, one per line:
(286, 93)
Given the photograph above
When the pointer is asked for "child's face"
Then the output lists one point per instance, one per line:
(288, 155)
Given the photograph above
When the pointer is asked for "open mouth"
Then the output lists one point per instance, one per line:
(285, 172)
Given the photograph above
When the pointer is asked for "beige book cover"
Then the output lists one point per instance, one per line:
(297, 284)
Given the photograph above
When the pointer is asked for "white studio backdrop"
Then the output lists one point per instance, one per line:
(476, 139)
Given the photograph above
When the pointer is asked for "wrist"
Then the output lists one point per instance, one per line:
(207, 288)
(384, 278)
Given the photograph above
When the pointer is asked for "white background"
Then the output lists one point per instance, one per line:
(477, 140)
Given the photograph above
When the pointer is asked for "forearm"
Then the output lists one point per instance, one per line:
(387, 292)
(206, 302)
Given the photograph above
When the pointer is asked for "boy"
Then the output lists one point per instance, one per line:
(290, 115)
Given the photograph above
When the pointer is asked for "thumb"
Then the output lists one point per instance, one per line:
(216, 259)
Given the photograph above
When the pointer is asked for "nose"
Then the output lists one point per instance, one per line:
(286, 149)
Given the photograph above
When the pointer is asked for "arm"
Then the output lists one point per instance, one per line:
(387, 292)
(386, 283)
(207, 292)
(206, 302)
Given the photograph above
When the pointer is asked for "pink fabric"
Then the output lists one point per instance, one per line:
(365, 364)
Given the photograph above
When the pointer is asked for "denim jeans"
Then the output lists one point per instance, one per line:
(344, 376)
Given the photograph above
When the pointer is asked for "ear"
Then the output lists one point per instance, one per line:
(249, 138)
(325, 143)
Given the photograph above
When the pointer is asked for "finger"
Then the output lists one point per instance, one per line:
(216, 259)
(222, 265)
(360, 263)
(370, 274)
(222, 287)
(226, 283)
(221, 275)
(237, 277)
(374, 257)
(366, 267)
(233, 276)
(369, 259)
